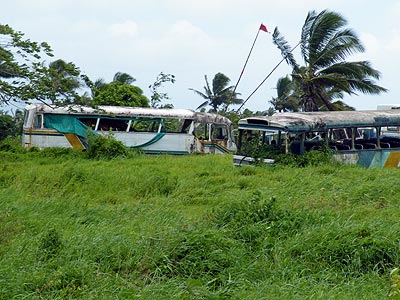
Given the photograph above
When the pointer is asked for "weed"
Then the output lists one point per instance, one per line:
(106, 147)
(309, 158)
(197, 253)
(394, 284)
(49, 244)
(194, 227)
(247, 171)
(352, 251)
(11, 144)
(55, 152)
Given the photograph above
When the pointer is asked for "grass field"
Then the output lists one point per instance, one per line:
(194, 227)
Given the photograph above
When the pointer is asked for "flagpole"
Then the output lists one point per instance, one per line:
(262, 82)
(247, 59)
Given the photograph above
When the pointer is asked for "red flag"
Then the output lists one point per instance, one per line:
(263, 27)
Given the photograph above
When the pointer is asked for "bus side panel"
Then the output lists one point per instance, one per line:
(173, 143)
(44, 138)
(215, 147)
(393, 160)
(370, 158)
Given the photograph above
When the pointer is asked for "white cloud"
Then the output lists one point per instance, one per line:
(393, 45)
(123, 30)
(371, 42)
(185, 34)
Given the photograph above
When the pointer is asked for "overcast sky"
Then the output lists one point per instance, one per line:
(193, 38)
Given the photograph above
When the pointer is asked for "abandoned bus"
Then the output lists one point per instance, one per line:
(355, 137)
(170, 131)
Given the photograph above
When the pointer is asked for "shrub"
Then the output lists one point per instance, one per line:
(12, 144)
(309, 158)
(106, 147)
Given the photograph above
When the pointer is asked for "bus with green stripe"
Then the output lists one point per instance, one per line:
(369, 138)
(155, 131)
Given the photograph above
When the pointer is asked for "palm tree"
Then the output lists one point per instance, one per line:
(100, 84)
(123, 78)
(97, 86)
(325, 45)
(286, 100)
(64, 76)
(221, 93)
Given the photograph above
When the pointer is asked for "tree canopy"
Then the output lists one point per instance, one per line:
(119, 94)
(156, 96)
(219, 94)
(326, 75)
(286, 99)
(26, 76)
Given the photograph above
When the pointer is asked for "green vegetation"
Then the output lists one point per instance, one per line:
(140, 228)
(218, 94)
(119, 92)
(325, 45)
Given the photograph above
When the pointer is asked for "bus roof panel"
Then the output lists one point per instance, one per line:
(140, 112)
(309, 121)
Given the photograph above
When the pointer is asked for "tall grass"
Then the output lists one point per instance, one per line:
(193, 227)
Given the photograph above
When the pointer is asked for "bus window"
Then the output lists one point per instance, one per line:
(368, 133)
(219, 133)
(38, 121)
(174, 125)
(145, 126)
(113, 124)
(339, 134)
(200, 131)
(89, 122)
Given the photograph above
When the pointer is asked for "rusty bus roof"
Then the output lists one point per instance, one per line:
(130, 112)
(317, 121)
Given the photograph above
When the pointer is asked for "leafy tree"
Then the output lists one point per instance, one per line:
(157, 97)
(24, 76)
(119, 94)
(8, 68)
(19, 60)
(59, 83)
(325, 45)
(10, 125)
(219, 94)
(286, 100)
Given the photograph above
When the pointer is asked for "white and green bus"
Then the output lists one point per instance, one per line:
(368, 138)
(156, 131)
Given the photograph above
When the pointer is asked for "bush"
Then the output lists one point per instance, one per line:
(12, 144)
(309, 158)
(106, 147)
